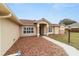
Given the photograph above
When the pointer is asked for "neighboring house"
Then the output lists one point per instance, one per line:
(11, 28)
(74, 25)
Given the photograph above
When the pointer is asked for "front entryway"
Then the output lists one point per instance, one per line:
(42, 29)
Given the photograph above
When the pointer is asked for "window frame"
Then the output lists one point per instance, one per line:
(28, 30)
(50, 29)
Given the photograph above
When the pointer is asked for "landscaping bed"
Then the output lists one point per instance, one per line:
(34, 46)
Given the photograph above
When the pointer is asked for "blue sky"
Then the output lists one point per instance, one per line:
(54, 12)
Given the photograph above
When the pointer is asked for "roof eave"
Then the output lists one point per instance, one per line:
(8, 11)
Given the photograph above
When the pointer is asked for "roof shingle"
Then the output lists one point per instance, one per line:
(57, 25)
(27, 22)
(32, 22)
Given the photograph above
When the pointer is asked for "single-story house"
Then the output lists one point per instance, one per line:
(73, 27)
(39, 27)
(11, 28)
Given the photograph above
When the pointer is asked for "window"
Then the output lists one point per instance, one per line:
(28, 30)
(31, 28)
(31, 31)
(24, 31)
(50, 29)
(24, 28)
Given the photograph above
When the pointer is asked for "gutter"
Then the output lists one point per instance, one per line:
(10, 14)
(6, 16)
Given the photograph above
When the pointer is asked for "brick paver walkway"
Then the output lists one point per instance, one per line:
(34, 46)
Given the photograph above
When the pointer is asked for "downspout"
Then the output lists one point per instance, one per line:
(6, 16)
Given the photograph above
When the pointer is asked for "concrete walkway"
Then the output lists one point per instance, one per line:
(71, 51)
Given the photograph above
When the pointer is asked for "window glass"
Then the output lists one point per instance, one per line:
(31, 31)
(24, 28)
(32, 28)
(50, 29)
(24, 31)
(28, 30)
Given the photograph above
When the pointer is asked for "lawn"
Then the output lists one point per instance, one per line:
(74, 38)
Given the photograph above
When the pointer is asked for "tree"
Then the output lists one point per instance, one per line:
(67, 21)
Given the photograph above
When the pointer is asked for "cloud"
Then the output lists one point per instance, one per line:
(60, 6)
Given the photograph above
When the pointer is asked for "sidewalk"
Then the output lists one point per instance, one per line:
(71, 51)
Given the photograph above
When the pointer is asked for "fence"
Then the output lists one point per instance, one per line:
(75, 30)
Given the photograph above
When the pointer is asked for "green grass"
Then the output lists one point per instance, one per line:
(74, 38)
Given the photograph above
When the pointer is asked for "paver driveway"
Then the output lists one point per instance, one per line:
(34, 46)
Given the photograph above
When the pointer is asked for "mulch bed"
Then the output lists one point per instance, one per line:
(34, 46)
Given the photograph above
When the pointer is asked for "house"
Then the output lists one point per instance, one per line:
(74, 25)
(39, 27)
(11, 28)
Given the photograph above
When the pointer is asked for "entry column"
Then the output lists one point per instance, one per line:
(37, 30)
(47, 28)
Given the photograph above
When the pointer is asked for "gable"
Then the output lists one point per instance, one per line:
(43, 20)
(27, 22)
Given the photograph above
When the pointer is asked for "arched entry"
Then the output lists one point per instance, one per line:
(42, 29)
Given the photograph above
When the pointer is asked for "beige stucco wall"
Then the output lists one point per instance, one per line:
(45, 33)
(0, 37)
(62, 29)
(56, 30)
(27, 34)
(9, 34)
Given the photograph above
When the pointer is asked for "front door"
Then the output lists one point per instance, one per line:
(41, 29)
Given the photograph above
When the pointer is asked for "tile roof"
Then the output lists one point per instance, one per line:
(74, 25)
(27, 22)
(56, 25)
(32, 22)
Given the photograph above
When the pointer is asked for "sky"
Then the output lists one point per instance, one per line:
(54, 12)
